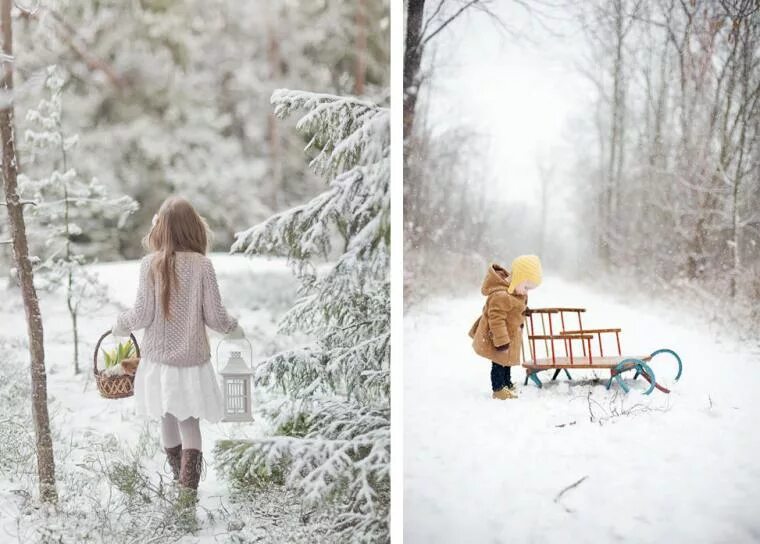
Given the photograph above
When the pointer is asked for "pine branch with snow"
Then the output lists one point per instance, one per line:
(339, 385)
(341, 452)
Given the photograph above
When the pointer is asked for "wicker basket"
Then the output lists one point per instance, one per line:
(115, 387)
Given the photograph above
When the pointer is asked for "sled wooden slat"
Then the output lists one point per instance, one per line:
(564, 362)
(589, 331)
(552, 310)
(531, 311)
(560, 336)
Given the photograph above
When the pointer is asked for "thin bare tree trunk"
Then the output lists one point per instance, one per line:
(736, 231)
(73, 308)
(45, 460)
(360, 62)
(70, 278)
(275, 146)
(412, 61)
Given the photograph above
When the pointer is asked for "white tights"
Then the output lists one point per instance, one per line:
(186, 432)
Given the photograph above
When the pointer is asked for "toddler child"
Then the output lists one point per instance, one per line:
(496, 334)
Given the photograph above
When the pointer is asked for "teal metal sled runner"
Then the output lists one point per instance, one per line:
(617, 365)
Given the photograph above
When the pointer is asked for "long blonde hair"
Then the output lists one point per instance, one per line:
(176, 227)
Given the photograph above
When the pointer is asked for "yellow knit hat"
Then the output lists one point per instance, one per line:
(525, 268)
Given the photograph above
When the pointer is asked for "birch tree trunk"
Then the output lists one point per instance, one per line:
(45, 460)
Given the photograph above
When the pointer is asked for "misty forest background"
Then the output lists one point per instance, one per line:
(185, 108)
(662, 192)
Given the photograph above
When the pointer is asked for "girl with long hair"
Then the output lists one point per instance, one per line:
(178, 296)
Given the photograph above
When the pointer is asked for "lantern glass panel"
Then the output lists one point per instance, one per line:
(237, 391)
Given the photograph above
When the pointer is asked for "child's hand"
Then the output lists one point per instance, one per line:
(118, 333)
(505, 347)
(236, 334)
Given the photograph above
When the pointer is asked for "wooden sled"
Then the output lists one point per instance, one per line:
(584, 358)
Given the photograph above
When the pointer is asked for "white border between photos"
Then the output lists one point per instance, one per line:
(397, 272)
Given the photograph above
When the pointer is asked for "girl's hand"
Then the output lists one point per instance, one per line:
(236, 334)
(117, 333)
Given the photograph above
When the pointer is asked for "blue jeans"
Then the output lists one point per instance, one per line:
(501, 376)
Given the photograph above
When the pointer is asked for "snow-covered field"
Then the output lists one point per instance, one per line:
(675, 468)
(258, 291)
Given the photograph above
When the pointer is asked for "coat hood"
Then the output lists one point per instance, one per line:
(494, 281)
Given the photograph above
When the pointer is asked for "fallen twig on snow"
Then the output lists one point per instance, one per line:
(565, 490)
(565, 424)
(591, 413)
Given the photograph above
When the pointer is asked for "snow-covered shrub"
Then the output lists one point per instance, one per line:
(333, 431)
(17, 454)
(66, 210)
(107, 496)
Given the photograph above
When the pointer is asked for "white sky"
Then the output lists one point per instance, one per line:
(520, 92)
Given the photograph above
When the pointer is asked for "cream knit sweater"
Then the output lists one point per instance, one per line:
(195, 301)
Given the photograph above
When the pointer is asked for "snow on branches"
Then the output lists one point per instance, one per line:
(68, 212)
(347, 306)
(338, 387)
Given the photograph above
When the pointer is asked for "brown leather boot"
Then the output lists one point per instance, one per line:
(173, 457)
(191, 465)
(190, 469)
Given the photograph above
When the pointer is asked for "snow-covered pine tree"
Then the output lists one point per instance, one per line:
(332, 437)
(64, 205)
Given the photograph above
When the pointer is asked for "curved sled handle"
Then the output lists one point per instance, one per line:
(97, 347)
(250, 349)
(674, 354)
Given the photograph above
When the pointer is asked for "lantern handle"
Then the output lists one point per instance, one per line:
(250, 350)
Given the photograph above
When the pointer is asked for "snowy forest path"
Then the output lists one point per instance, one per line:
(637, 467)
(87, 426)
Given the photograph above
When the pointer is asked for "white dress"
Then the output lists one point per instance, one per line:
(191, 391)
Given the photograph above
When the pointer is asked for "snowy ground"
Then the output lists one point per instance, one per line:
(258, 291)
(661, 468)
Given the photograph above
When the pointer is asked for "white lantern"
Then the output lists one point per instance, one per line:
(237, 386)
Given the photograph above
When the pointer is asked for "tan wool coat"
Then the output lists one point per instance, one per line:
(500, 321)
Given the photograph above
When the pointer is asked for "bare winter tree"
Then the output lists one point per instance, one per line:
(677, 183)
(451, 214)
(425, 22)
(14, 205)
(412, 60)
(421, 29)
